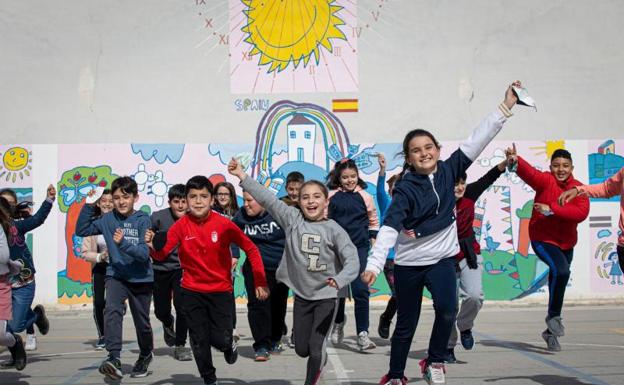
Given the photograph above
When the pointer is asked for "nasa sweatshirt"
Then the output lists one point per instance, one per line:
(266, 234)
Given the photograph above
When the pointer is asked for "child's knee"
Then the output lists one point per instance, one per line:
(301, 350)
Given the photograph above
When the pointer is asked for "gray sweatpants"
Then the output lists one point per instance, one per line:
(470, 292)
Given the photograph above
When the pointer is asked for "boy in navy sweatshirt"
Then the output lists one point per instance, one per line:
(129, 275)
(266, 318)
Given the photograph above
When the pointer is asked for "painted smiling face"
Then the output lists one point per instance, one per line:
(285, 31)
(15, 159)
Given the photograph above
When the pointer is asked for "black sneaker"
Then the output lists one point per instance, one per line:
(42, 321)
(467, 340)
(100, 344)
(384, 326)
(450, 357)
(169, 334)
(18, 353)
(111, 368)
(141, 365)
(231, 355)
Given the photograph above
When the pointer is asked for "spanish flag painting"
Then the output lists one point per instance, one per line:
(345, 105)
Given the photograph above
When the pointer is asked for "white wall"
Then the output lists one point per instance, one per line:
(79, 71)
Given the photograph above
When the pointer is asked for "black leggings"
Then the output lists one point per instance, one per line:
(312, 322)
(99, 296)
(620, 251)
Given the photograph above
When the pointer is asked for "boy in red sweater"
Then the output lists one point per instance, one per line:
(203, 239)
(553, 230)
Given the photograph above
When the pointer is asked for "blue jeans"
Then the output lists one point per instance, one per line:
(409, 282)
(23, 316)
(558, 262)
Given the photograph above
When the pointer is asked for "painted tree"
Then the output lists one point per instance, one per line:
(73, 187)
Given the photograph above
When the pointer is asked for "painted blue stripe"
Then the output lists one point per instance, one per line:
(553, 364)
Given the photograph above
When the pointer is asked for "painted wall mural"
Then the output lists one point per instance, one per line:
(310, 138)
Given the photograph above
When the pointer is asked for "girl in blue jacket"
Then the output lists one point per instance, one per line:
(420, 224)
(354, 210)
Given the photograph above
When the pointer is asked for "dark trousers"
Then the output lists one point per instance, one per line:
(388, 271)
(209, 318)
(166, 287)
(312, 321)
(98, 280)
(409, 282)
(139, 296)
(361, 294)
(266, 318)
(558, 262)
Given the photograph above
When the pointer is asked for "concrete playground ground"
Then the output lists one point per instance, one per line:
(508, 351)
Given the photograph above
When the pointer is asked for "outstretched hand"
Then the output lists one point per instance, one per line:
(510, 96)
(51, 193)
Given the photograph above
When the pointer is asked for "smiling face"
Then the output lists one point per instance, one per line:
(124, 202)
(313, 202)
(223, 196)
(292, 189)
(199, 202)
(15, 159)
(105, 203)
(349, 179)
(251, 206)
(561, 168)
(423, 155)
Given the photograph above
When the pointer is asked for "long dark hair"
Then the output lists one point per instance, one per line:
(408, 138)
(333, 178)
(5, 217)
(232, 206)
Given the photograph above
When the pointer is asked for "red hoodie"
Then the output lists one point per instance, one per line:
(558, 229)
(204, 251)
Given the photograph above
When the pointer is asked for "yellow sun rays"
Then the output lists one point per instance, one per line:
(290, 31)
(16, 161)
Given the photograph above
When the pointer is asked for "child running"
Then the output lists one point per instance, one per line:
(129, 275)
(8, 268)
(469, 259)
(609, 188)
(354, 210)
(266, 318)
(24, 284)
(552, 230)
(94, 251)
(167, 276)
(421, 223)
(203, 240)
(319, 259)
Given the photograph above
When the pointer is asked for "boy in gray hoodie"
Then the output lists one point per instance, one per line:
(129, 275)
(319, 259)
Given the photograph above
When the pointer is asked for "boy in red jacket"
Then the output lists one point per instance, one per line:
(203, 239)
(553, 230)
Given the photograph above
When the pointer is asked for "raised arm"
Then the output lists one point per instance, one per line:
(475, 189)
(284, 215)
(86, 225)
(470, 149)
(36, 220)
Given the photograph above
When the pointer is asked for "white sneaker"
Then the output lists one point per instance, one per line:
(337, 333)
(31, 342)
(434, 374)
(364, 343)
